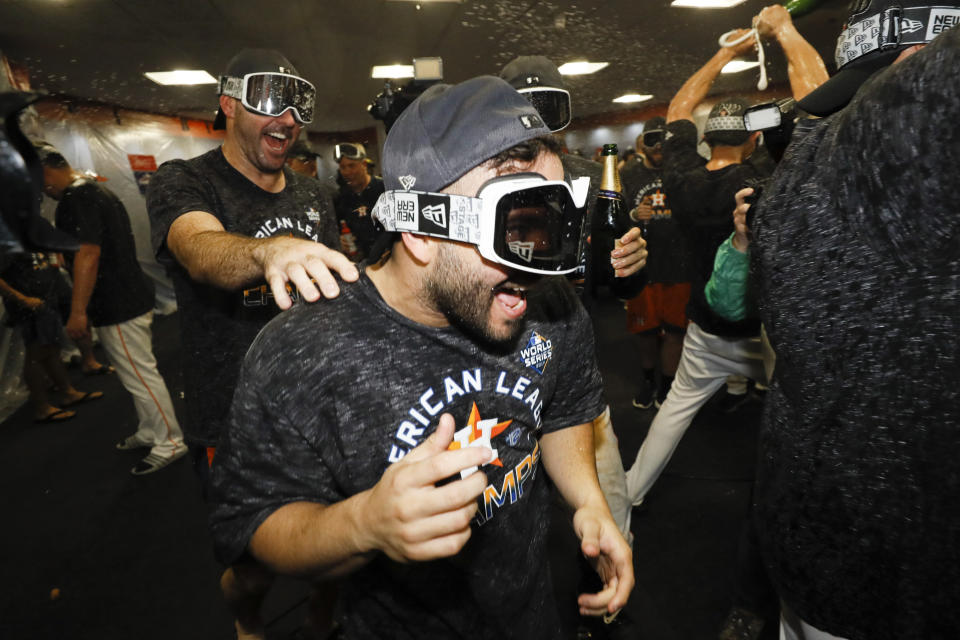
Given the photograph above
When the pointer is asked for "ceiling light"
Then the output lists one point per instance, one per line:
(581, 67)
(633, 97)
(736, 66)
(706, 4)
(196, 76)
(392, 71)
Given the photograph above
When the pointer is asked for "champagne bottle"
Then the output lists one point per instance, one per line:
(610, 221)
(798, 8)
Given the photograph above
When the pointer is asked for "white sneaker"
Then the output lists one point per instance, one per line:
(153, 462)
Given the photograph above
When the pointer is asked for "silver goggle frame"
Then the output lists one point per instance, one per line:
(273, 103)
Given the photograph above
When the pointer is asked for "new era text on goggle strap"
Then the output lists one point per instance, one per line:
(892, 28)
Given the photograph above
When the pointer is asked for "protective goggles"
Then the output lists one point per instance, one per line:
(271, 94)
(553, 105)
(653, 138)
(522, 221)
(350, 151)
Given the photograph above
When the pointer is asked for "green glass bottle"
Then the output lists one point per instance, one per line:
(797, 8)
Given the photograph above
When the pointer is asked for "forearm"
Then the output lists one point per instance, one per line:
(316, 540)
(221, 258)
(805, 67)
(85, 265)
(695, 89)
(9, 293)
(568, 456)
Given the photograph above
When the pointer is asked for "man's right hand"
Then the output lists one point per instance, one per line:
(31, 303)
(409, 517)
(642, 211)
(301, 263)
(745, 47)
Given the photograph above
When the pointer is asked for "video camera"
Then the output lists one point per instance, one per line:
(390, 103)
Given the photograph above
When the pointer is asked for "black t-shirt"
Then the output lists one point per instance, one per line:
(33, 275)
(355, 209)
(856, 244)
(218, 325)
(94, 215)
(666, 252)
(332, 393)
(702, 203)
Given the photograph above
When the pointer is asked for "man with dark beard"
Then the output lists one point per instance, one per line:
(359, 424)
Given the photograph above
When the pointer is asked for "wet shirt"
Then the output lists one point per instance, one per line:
(702, 203)
(94, 215)
(334, 392)
(355, 208)
(666, 251)
(856, 244)
(217, 326)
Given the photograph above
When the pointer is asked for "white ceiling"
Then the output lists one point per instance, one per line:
(99, 49)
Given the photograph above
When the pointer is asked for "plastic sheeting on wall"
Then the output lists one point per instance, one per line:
(99, 139)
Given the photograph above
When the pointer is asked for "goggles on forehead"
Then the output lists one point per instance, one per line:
(553, 105)
(653, 138)
(522, 221)
(271, 94)
(350, 151)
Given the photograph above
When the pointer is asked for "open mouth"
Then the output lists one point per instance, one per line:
(276, 140)
(512, 298)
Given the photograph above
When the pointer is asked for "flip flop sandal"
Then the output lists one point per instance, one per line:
(102, 370)
(60, 415)
(87, 397)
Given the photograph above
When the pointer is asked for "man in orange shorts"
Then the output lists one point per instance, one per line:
(658, 314)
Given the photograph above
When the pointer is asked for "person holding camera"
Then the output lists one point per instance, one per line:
(702, 197)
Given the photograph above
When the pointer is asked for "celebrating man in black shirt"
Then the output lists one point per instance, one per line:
(111, 292)
(242, 235)
(464, 363)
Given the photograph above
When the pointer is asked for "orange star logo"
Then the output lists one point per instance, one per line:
(479, 433)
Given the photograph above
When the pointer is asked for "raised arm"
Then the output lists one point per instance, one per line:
(568, 457)
(212, 255)
(695, 89)
(805, 67)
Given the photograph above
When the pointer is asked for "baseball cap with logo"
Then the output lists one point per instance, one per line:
(450, 129)
(876, 32)
(537, 79)
(266, 83)
(724, 124)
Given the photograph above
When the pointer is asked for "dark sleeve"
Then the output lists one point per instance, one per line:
(902, 134)
(579, 394)
(680, 153)
(331, 225)
(86, 205)
(175, 190)
(263, 460)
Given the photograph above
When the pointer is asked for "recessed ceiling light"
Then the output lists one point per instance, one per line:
(392, 71)
(706, 4)
(196, 76)
(736, 66)
(633, 97)
(581, 67)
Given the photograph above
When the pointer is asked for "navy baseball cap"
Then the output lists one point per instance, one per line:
(450, 129)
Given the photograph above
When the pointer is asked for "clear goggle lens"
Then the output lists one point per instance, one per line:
(271, 94)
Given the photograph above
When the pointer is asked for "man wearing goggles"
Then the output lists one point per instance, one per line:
(241, 234)
(472, 374)
(355, 199)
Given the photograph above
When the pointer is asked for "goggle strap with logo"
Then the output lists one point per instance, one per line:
(459, 215)
(892, 28)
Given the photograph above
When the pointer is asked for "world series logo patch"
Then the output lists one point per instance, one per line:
(537, 353)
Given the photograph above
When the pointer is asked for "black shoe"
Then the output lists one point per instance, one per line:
(730, 402)
(741, 624)
(643, 399)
